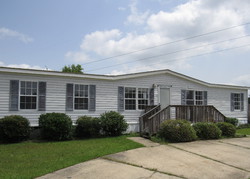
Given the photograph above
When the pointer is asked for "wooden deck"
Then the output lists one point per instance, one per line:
(150, 121)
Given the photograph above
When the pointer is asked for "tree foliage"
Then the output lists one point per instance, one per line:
(73, 69)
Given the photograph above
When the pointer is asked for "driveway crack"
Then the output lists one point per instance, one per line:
(209, 158)
(140, 166)
(234, 145)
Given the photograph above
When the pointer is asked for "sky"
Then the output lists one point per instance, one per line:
(205, 39)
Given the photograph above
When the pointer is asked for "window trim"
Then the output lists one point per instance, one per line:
(241, 103)
(147, 97)
(20, 95)
(198, 100)
(74, 84)
(130, 99)
(195, 100)
(136, 98)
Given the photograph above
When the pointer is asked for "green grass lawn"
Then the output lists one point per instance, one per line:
(33, 159)
(245, 131)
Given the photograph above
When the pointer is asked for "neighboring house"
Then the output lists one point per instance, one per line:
(32, 92)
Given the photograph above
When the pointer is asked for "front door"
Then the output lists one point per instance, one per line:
(164, 97)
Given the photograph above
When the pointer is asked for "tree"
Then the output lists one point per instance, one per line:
(73, 69)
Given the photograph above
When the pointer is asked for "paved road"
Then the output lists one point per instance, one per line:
(227, 158)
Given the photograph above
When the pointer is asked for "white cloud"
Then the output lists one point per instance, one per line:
(192, 18)
(198, 17)
(136, 17)
(22, 66)
(101, 41)
(5, 32)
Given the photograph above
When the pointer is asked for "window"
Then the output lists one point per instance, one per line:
(28, 95)
(199, 97)
(142, 98)
(237, 101)
(130, 98)
(136, 98)
(190, 97)
(81, 96)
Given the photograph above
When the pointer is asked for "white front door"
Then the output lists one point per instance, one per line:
(164, 97)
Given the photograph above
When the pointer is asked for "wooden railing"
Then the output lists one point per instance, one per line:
(198, 113)
(190, 113)
(143, 119)
(149, 108)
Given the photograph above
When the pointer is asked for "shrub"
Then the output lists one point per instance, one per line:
(243, 126)
(227, 129)
(177, 131)
(55, 126)
(206, 130)
(87, 127)
(113, 123)
(14, 128)
(233, 121)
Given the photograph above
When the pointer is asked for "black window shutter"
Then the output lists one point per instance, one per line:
(183, 97)
(14, 94)
(120, 98)
(92, 97)
(69, 97)
(232, 101)
(42, 96)
(205, 98)
(242, 102)
(151, 96)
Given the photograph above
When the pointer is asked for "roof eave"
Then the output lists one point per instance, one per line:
(116, 77)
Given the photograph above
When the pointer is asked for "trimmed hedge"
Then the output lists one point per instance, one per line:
(206, 130)
(55, 126)
(14, 128)
(113, 123)
(227, 129)
(177, 131)
(243, 126)
(233, 121)
(87, 127)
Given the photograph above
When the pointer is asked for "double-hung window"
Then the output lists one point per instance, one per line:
(130, 98)
(199, 97)
(142, 98)
(135, 98)
(81, 97)
(28, 95)
(237, 101)
(190, 97)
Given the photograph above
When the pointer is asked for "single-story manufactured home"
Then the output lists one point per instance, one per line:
(30, 93)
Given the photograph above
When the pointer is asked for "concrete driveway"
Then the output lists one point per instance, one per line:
(227, 158)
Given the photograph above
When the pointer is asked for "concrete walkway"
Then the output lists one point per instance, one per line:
(227, 158)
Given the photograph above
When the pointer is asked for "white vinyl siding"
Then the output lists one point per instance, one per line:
(107, 94)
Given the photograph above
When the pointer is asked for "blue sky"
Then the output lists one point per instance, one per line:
(51, 34)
